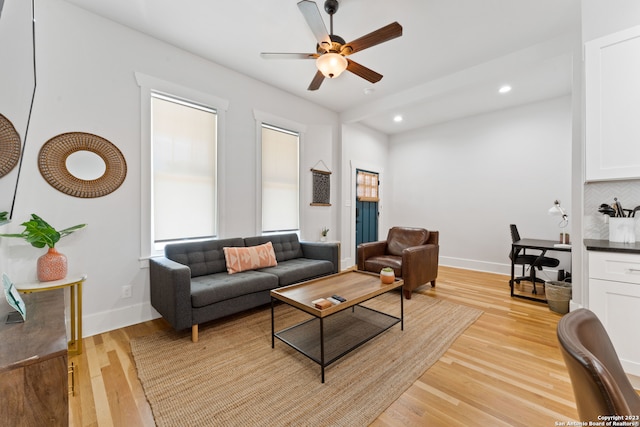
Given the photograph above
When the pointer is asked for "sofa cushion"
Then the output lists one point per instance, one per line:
(202, 257)
(299, 269)
(401, 238)
(286, 246)
(206, 290)
(249, 258)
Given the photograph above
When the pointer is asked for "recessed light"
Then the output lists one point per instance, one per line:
(397, 118)
(505, 89)
(369, 90)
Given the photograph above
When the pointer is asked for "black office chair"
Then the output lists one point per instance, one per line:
(532, 260)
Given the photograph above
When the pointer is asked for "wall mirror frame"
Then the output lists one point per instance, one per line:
(52, 162)
(9, 146)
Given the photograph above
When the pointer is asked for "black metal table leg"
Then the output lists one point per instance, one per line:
(322, 347)
(402, 308)
(513, 267)
(273, 330)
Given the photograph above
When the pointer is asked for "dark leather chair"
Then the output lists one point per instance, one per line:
(599, 383)
(411, 252)
(534, 261)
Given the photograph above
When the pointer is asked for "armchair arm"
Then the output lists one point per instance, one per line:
(420, 265)
(170, 284)
(324, 251)
(368, 250)
(434, 238)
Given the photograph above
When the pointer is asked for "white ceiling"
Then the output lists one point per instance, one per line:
(449, 63)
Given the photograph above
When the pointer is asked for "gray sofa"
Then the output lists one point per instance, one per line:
(190, 284)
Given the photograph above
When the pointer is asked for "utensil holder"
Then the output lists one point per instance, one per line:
(622, 230)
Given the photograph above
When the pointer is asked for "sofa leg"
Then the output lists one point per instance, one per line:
(194, 333)
(433, 283)
(407, 294)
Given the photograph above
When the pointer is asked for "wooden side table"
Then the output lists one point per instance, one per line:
(74, 283)
(33, 363)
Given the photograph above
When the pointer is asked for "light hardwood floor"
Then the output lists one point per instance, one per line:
(505, 370)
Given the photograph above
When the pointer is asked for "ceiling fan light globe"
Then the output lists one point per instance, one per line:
(331, 64)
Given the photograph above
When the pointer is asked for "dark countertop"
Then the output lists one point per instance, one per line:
(607, 246)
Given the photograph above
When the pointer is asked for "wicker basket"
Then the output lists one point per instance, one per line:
(558, 296)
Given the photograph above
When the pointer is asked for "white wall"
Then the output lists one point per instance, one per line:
(86, 83)
(362, 148)
(602, 17)
(471, 178)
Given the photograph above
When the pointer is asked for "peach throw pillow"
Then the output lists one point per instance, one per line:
(249, 258)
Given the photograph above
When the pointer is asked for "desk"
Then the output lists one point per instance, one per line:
(543, 245)
(74, 283)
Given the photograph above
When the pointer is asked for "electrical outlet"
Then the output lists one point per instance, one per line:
(126, 291)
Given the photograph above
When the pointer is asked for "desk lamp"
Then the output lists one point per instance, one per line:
(556, 209)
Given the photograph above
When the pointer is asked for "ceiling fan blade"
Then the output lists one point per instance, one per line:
(273, 55)
(362, 71)
(378, 36)
(312, 15)
(316, 82)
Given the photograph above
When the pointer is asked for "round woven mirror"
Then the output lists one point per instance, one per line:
(9, 146)
(54, 162)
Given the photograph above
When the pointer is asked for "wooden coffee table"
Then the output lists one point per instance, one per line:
(337, 330)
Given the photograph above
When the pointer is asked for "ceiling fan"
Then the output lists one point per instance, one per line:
(331, 50)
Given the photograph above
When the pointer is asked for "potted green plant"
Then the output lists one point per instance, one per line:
(53, 264)
(323, 234)
(387, 275)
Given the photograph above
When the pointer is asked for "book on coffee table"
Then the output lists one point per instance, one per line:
(321, 303)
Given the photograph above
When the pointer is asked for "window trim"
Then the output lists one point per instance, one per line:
(148, 85)
(159, 244)
(268, 119)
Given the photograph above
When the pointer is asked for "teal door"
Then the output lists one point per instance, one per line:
(366, 206)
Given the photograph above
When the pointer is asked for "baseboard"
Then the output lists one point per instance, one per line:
(346, 263)
(493, 267)
(574, 306)
(110, 320)
(634, 380)
(631, 367)
(472, 264)
(466, 264)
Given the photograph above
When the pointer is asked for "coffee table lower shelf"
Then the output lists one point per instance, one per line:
(326, 339)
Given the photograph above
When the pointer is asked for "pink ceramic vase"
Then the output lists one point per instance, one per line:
(52, 266)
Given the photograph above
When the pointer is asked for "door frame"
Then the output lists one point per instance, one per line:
(368, 217)
(354, 165)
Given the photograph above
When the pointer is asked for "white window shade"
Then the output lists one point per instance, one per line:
(280, 180)
(184, 169)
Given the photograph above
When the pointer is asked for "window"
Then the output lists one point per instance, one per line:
(183, 139)
(280, 179)
(154, 88)
(367, 186)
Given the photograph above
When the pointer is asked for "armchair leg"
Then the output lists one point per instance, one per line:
(407, 293)
(194, 333)
(433, 283)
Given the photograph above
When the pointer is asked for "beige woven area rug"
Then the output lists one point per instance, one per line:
(232, 376)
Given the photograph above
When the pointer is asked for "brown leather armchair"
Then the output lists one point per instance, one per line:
(599, 383)
(411, 252)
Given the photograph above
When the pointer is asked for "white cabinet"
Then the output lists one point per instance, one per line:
(612, 100)
(614, 296)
